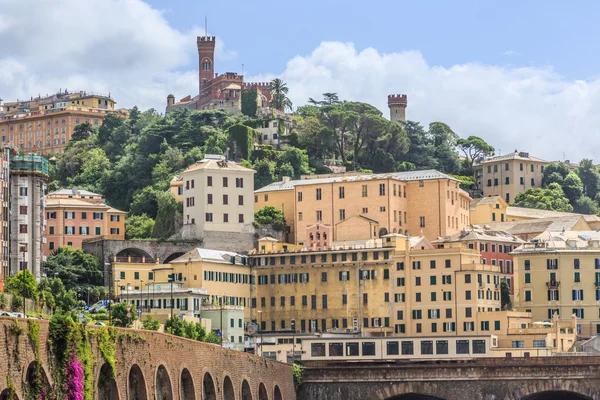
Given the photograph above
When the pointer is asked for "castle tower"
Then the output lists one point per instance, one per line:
(397, 104)
(206, 57)
(170, 100)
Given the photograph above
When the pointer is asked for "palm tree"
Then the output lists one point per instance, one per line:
(279, 91)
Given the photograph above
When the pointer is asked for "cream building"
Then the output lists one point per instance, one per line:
(217, 199)
(509, 174)
(559, 273)
(367, 206)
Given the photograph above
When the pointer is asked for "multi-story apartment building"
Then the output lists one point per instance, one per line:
(394, 285)
(74, 216)
(45, 124)
(28, 177)
(359, 207)
(218, 200)
(4, 215)
(509, 175)
(223, 276)
(494, 246)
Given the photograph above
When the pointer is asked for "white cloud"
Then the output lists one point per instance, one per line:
(530, 109)
(511, 53)
(128, 48)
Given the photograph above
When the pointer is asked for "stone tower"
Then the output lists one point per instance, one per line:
(206, 57)
(397, 104)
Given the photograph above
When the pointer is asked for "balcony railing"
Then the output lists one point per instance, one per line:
(553, 284)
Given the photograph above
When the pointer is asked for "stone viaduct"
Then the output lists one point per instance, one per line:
(550, 378)
(150, 365)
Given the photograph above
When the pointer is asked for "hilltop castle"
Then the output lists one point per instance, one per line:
(218, 92)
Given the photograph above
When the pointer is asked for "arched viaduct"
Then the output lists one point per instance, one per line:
(150, 365)
(542, 378)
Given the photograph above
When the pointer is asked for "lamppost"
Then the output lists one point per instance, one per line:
(293, 324)
(171, 279)
(127, 293)
(148, 287)
(261, 332)
(117, 281)
(222, 330)
(141, 298)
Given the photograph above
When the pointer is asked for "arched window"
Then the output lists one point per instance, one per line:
(206, 66)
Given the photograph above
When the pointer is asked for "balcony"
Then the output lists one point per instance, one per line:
(553, 284)
(597, 285)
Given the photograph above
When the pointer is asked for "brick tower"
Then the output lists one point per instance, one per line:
(397, 104)
(206, 57)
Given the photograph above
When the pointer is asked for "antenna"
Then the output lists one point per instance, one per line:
(206, 25)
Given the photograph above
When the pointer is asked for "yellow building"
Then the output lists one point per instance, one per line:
(488, 209)
(559, 273)
(360, 207)
(386, 286)
(45, 124)
(225, 276)
(508, 175)
(176, 188)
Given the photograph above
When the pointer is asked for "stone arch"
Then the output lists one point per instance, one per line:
(188, 391)
(107, 386)
(136, 384)
(228, 392)
(209, 391)
(173, 256)
(557, 395)
(164, 389)
(36, 379)
(137, 255)
(246, 391)
(414, 396)
(277, 393)
(395, 230)
(8, 394)
(262, 392)
(383, 232)
(410, 391)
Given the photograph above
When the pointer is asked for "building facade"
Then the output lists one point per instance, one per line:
(218, 92)
(73, 216)
(420, 203)
(397, 104)
(46, 124)
(559, 273)
(387, 286)
(508, 175)
(4, 215)
(217, 199)
(28, 177)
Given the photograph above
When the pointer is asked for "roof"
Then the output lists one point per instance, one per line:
(69, 192)
(515, 155)
(428, 174)
(559, 240)
(115, 211)
(485, 200)
(54, 202)
(200, 254)
(534, 213)
(537, 225)
(480, 233)
(369, 220)
(217, 164)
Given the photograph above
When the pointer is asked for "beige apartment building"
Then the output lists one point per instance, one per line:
(217, 200)
(509, 174)
(367, 206)
(45, 124)
(390, 286)
(559, 273)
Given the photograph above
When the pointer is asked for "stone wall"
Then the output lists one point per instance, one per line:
(151, 364)
(485, 379)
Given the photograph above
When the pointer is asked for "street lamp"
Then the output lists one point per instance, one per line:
(117, 281)
(293, 324)
(171, 279)
(141, 297)
(261, 332)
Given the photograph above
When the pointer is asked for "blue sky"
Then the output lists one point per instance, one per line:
(560, 34)
(520, 74)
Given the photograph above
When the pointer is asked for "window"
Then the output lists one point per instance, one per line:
(69, 215)
(209, 217)
(462, 347)
(240, 200)
(577, 294)
(392, 348)
(518, 344)
(539, 343)
(368, 348)
(23, 228)
(113, 218)
(342, 214)
(318, 194)
(364, 191)
(225, 217)
(422, 222)
(84, 230)
(225, 181)
(225, 199)
(341, 192)
(23, 191)
(241, 218)
(209, 199)
(23, 210)
(382, 189)
(98, 230)
(479, 347)
(407, 347)
(98, 215)
(441, 347)
(69, 230)
(576, 277)
(239, 182)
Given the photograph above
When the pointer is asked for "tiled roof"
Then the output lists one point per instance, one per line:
(216, 164)
(480, 233)
(69, 192)
(516, 155)
(534, 213)
(200, 254)
(537, 225)
(559, 240)
(402, 176)
(484, 200)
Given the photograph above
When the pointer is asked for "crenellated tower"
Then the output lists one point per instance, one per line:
(206, 57)
(397, 104)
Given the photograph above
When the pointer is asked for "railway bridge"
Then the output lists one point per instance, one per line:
(135, 365)
(539, 378)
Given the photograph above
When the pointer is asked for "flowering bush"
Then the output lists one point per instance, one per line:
(74, 379)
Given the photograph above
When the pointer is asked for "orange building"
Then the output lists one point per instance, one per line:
(45, 124)
(77, 215)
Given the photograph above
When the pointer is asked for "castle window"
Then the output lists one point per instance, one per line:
(205, 66)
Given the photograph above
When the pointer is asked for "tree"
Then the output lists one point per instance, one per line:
(82, 131)
(64, 300)
(474, 148)
(279, 99)
(265, 172)
(119, 315)
(421, 152)
(585, 205)
(249, 102)
(269, 215)
(572, 187)
(505, 295)
(590, 178)
(76, 269)
(138, 227)
(23, 284)
(444, 141)
(165, 218)
(297, 159)
(549, 198)
(241, 141)
(150, 324)
(328, 98)
(554, 172)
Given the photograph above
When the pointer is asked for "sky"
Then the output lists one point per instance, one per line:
(521, 75)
